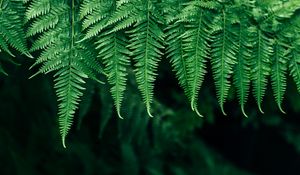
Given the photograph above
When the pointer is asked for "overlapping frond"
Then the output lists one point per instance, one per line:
(112, 49)
(73, 62)
(278, 76)
(146, 39)
(11, 27)
(261, 64)
(223, 53)
(174, 42)
(272, 52)
(195, 45)
(175, 53)
(294, 66)
(37, 8)
(247, 41)
(242, 69)
(111, 46)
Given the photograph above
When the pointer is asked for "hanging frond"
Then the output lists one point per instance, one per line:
(195, 45)
(73, 62)
(146, 39)
(242, 69)
(260, 64)
(278, 76)
(11, 27)
(37, 8)
(113, 51)
(246, 41)
(223, 53)
(294, 63)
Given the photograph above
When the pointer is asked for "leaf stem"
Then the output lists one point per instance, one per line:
(1, 1)
(72, 23)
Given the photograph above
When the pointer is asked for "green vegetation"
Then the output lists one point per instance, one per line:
(122, 47)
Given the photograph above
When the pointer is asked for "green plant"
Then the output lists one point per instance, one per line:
(245, 40)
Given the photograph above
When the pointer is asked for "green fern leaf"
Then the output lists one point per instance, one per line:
(46, 22)
(11, 28)
(278, 75)
(96, 15)
(113, 51)
(242, 72)
(224, 50)
(145, 42)
(88, 6)
(37, 8)
(68, 85)
(196, 50)
(174, 40)
(261, 67)
(72, 61)
(294, 66)
(175, 52)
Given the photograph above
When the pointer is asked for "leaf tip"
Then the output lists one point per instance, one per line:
(223, 111)
(259, 108)
(119, 114)
(64, 142)
(280, 108)
(243, 111)
(148, 111)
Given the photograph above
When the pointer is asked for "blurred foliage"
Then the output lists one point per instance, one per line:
(175, 141)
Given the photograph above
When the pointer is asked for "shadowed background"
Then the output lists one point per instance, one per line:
(175, 141)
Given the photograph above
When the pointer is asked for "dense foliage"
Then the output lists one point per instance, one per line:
(244, 42)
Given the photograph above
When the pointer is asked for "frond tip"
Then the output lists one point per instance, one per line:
(224, 51)
(68, 85)
(146, 40)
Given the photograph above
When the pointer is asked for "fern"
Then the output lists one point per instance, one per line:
(146, 39)
(175, 51)
(195, 47)
(146, 42)
(224, 49)
(293, 52)
(261, 65)
(294, 66)
(278, 77)
(72, 61)
(246, 43)
(111, 46)
(11, 28)
(242, 69)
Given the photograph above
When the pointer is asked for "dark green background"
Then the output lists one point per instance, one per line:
(175, 141)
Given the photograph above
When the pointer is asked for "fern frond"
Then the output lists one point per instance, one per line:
(113, 51)
(195, 45)
(146, 39)
(4, 46)
(294, 66)
(37, 8)
(175, 53)
(261, 64)
(46, 39)
(11, 28)
(224, 49)
(274, 13)
(278, 75)
(72, 61)
(123, 11)
(88, 6)
(242, 71)
(68, 85)
(95, 15)
(46, 22)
